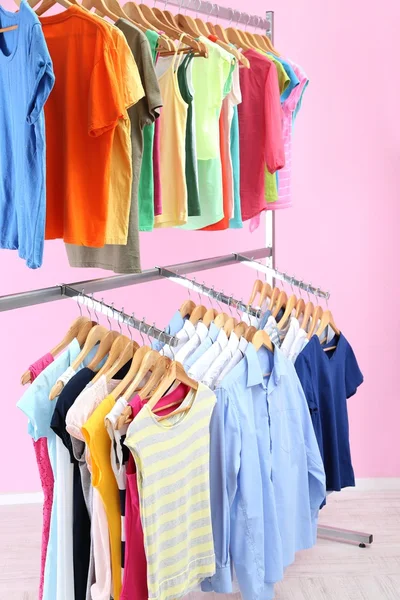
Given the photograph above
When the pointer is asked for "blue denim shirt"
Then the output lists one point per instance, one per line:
(204, 346)
(267, 476)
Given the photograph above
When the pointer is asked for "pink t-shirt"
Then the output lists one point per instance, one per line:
(45, 473)
(260, 129)
(134, 585)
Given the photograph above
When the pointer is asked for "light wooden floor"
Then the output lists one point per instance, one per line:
(330, 571)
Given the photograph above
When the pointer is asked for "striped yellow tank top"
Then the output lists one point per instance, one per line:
(172, 460)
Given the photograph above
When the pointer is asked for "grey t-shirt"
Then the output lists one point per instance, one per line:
(126, 259)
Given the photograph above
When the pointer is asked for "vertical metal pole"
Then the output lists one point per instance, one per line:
(270, 214)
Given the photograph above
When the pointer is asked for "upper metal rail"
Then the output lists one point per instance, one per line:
(92, 286)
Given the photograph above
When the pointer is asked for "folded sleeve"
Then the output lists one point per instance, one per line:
(42, 74)
(274, 147)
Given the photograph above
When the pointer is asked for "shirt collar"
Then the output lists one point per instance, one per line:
(222, 338)
(213, 332)
(188, 328)
(176, 323)
(233, 342)
(201, 330)
(259, 362)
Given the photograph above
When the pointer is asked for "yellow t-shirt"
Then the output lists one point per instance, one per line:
(103, 478)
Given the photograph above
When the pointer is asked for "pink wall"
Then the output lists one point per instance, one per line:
(343, 165)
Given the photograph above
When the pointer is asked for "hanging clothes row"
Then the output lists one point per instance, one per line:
(112, 129)
(168, 469)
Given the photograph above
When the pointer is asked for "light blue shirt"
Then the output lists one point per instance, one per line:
(175, 325)
(204, 346)
(26, 80)
(267, 476)
(39, 409)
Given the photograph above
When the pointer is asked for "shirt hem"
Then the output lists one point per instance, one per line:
(171, 221)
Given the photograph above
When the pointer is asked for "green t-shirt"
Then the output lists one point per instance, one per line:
(192, 179)
(146, 181)
(216, 71)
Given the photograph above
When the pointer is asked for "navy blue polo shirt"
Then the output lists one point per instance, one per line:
(328, 380)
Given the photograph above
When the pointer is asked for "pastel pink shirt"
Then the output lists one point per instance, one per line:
(45, 473)
(289, 107)
(260, 130)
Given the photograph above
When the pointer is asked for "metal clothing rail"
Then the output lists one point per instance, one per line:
(299, 283)
(192, 284)
(92, 286)
(120, 316)
(212, 9)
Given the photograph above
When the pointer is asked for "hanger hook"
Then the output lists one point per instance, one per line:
(291, 283)
(180, 6)
(316, 294)
(308, 292)
(229, 305)
(122, 319)
(141, 335)
(247, 22)
(108, 316)
(128, 324)
(217, 5)
(86, 304)
(209, 14)
(232, 15)
(327, 295)
(165, 4)
(80, 295)
(256, 22)
(186, 6)
(152, 328)
(94, 307)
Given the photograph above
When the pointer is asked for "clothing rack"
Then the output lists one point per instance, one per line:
(222, 12)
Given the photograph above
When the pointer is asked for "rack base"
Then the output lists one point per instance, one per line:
(336, 534)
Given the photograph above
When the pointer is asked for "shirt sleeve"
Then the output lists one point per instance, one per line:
(224, 447)
(43, 75)
(114, 86)
(130, 81)
(274, 147)
(304, 374)
(150, 82)
(353, 375)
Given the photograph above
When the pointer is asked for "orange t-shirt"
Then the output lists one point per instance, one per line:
(81, 115)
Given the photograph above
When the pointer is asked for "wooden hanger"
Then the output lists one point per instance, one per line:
(164, 16)
(173, 32)
(158, 372)
(290, 306)
(209, 316)
(122, 350)
(234, 36)
(241, 329)
(188, 25)
(47, 4)
(176, 372)
(187, 308)
(197, 314)
(274, 297)
(261, 338)
(205, 30)
(230, 325)
(308, 312)
(103, 349)
(102, 7)
(10, 28)
(220, 320)
(266, 292)
(327, 319)
(96, 334)
(281, 301)
(300, 308)
(317, 315)
(257, 289)
(250, 333)
(79, 329)
(133, 370)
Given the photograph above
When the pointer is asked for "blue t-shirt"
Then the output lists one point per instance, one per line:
(328, 380)
(26, 80)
